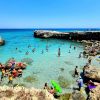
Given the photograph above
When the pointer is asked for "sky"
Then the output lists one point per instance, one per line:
(49, 13)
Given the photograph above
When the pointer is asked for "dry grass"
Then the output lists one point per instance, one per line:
(7, 93)
(23, 96)
(65, 96)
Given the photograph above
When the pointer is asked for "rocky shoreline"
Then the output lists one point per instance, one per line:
(91, 42)
(88, 35)
(22, 93)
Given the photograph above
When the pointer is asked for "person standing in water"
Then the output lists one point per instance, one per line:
(76, 73)
(47, 48)
(59, 52)
(89, 60)
(80, 83)
(42, 52)
(74, 47)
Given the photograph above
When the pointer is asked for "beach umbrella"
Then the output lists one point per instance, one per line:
(56, 86)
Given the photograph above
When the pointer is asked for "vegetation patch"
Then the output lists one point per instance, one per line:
(28, 61)
(30, 79)
(23, 96)
(62, 69)
(63, 82)
(7, 93)
(68, 62)
(65, 96)
(21, 84)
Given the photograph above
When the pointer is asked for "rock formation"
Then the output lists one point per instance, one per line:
(22, 93)
(95, 93)
(50, 34)
(92, 73)
(92, 35)
(2, 42)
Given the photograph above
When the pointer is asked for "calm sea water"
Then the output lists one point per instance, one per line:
(46, 66)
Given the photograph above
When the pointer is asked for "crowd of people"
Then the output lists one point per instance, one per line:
(11, 69)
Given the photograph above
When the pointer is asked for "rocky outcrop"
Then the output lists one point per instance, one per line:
(92, 35)
(95, 93)
(92, 73)
(50, 34)
(92, 48)
(2, 42)
(77, 95)
(22, 93)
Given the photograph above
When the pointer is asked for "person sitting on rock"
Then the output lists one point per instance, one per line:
(19, 72)
(46, 86)
(15, 73)
(52, 91)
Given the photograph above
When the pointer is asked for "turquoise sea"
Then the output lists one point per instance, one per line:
(46, 66)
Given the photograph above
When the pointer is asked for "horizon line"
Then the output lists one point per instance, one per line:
(56, 28)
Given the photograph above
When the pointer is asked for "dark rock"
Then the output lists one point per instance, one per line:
(2, 42)
(92, 35)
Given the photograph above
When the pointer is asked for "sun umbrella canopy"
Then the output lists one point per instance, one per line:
(56, 86)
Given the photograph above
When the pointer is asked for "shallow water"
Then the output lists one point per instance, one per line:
(46, 66)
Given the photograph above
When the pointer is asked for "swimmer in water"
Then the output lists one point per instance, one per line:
(69, 51)
(42, 52)
(27, 53)
(16, 48)
(33, 50)
(29, 46)
(74, 47)
(47, 48)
